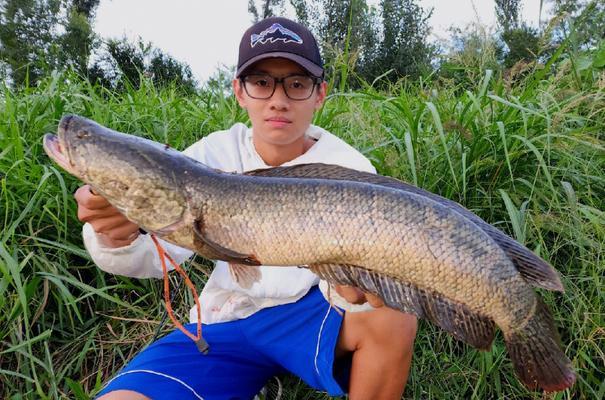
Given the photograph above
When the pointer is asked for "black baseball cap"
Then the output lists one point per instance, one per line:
(279, 37)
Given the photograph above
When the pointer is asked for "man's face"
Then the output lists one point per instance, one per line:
(279, 120)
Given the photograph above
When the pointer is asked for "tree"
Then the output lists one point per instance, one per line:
(301, 11)
(390, 37)
(521, 40)
(583, 20)
(346, 36)
(507, 14)
(164, 70)
(344, 31)
(268, 8)
(404, 48)
(26, 37)
(37, 36)
(128, 61)
(124, 62)
(78, 41)
(523, 44)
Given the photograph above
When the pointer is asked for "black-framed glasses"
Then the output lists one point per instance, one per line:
(296, 87)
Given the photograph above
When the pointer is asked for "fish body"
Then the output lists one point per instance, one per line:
(399, 234)
(420, 253)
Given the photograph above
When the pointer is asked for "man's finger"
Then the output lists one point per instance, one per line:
(109, 223)
(91, 215)
(350, 294)
(374, 300)
(89, 200)
(126, 231)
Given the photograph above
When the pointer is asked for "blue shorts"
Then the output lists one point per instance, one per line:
(299, 338)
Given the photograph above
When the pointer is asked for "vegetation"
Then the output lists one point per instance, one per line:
(360, 39)
(38, 37)
(519, 142)
(123, 64)
(527, 158)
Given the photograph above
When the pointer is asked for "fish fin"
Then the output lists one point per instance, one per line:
(221, 252)
(313, 170)
(455, 318)
(534, 270)
(536, 353)
(244, 275)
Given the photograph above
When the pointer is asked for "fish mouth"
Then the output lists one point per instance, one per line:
(54, 149)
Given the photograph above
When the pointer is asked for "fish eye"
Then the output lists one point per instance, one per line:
(82, 134)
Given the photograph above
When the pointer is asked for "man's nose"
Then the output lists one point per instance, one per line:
(279, 100)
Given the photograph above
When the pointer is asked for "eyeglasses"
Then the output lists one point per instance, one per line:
(296, 87)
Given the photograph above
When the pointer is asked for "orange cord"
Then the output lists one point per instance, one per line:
(199, 340)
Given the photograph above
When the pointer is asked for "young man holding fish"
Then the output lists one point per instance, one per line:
(272, 320)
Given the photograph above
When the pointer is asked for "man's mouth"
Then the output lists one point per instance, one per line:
(278, 122)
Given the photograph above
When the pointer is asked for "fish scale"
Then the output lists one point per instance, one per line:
(434, 245)
(418, 252)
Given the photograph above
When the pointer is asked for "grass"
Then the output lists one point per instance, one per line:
(529, 159)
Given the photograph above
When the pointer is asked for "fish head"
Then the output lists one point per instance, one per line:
(137, 176)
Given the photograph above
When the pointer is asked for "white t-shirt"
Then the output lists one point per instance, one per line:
(223, 299)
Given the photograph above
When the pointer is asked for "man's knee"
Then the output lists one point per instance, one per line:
(392, 329)
(383, 328)
(123, 395)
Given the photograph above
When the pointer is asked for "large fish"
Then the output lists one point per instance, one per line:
(420, 253)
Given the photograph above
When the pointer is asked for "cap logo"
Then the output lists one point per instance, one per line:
(274, 33)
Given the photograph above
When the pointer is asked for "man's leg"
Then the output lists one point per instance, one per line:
(382, 344)
(306, 336)
(173, 368)
(123, 395)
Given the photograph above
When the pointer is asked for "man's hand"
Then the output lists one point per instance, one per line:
(356, 296)
(113, 228)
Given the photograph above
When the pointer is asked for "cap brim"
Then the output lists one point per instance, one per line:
(311, 67)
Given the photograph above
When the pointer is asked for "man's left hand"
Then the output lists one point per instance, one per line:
(356, 296)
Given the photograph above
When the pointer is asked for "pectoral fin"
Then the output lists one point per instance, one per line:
(220, 252)
(244, 275)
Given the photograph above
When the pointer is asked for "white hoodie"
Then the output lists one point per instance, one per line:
(222, 299)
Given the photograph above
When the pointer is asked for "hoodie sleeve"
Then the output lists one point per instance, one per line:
(138, 260)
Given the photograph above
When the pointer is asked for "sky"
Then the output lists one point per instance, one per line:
(206, 34)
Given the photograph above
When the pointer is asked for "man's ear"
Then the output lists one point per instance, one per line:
(238, 90)
(322, 92)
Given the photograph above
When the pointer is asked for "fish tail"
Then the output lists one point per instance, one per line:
(537, 355)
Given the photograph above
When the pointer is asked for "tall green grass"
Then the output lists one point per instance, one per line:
(529, 160)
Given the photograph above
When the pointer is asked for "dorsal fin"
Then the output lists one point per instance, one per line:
(533, 269)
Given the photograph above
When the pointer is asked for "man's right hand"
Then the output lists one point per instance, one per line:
(113, 228)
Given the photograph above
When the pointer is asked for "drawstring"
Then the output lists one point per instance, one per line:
(201, 344)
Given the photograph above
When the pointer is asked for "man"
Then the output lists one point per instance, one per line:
(283, 322)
